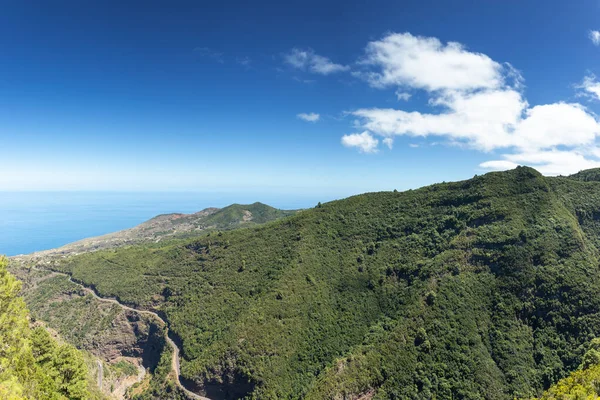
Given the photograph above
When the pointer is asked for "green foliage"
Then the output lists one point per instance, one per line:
(126, 368)
(588, 175)
(63, 363)
(233, 214)
(162, 385)
(32, 364)
(66, 308)
(16, 360)
(580, 385)
(592, 356)
(583, 383)
(486, 288)
(231, 217)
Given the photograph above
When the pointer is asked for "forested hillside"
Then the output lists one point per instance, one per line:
(486, 288)
(32, 364)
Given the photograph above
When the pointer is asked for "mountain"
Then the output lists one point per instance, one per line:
(485, 288)
(169, 226)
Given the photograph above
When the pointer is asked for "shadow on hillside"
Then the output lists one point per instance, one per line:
(234, 386)
(152, 348)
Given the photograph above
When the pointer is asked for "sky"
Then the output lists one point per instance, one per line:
(295, 97)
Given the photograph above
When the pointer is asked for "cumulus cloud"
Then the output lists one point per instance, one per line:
(477, 102)
(310, 61)
(364, 142)
(479, 118)
(595, 37)
(389, 142)
(309, 117)
(426, 63)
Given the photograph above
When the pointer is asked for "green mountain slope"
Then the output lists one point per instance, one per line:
(33, 365)
(486, 288)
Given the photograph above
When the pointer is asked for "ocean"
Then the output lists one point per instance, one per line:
(33, 221)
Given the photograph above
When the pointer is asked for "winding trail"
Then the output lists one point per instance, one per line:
(174, 360)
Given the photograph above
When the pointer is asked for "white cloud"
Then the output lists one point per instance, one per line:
(478, 103)
(426, 63)
(498, 165)
(480, 119)
(557, 124)
(551, 162)
(591, 87)
(389, 142)
(310, 117)
(403, 96)
(365, 142)
(595, 37)
(308, 60)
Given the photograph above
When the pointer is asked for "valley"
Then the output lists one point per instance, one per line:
(113, 332)
(171, 343)
(484, 287)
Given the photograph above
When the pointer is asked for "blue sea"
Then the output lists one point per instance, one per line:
(33, 221)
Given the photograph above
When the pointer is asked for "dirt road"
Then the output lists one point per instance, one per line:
(175, 359)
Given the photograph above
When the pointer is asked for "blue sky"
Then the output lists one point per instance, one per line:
(210, 96)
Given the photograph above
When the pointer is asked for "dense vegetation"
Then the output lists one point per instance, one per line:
(64, 306)
(582, 384)
(162, 384)
(32, 364)
(486, 288)
(103, 329)
(233, 214)
(588, 175)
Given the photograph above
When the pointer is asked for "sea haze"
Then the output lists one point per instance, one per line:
(33, 221)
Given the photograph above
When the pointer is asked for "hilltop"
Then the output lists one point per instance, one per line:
(588, 175)
(176, 225)
(485, 288)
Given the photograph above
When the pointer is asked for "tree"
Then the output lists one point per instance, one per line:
(32, 364)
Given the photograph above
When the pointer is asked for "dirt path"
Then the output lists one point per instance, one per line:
(175, 359)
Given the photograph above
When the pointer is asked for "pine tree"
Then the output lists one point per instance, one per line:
(32, 364)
